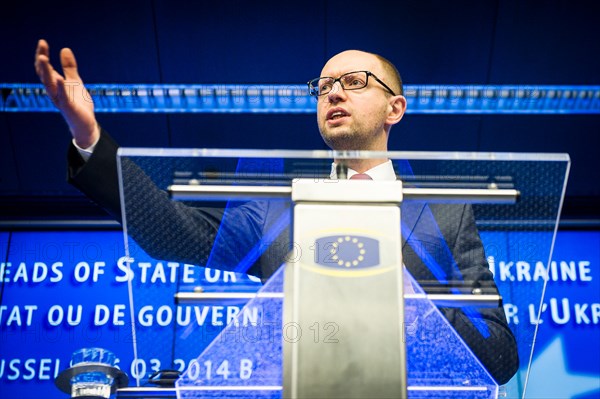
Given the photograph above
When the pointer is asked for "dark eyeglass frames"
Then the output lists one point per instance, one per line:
(348, 81)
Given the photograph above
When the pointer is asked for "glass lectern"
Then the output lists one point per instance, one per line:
(400, 286)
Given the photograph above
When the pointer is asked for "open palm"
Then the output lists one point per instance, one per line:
(68, 94)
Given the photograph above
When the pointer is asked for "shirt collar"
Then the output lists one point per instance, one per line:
(384, 171)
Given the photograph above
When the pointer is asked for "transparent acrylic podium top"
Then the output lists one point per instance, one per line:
(231, 210)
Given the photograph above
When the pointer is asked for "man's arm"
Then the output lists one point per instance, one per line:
(492, 341)
(444, 247)
(97, 176)
(165, 229)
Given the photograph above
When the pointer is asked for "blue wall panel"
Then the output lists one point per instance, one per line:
(239, 41)
(541, 43)
(113, 41)
(432, 42)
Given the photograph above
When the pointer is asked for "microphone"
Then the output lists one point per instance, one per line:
(341, 170)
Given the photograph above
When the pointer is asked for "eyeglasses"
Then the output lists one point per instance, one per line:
(349, 81)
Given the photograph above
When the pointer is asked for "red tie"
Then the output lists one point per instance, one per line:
(361, 176)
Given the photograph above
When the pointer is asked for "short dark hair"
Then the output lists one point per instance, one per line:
(392, 71)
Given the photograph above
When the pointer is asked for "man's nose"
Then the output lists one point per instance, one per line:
(337, 93)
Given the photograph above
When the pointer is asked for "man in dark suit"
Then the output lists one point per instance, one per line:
(359, 101)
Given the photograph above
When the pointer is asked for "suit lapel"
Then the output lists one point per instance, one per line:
(410, 214)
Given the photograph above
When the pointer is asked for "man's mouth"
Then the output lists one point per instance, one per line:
(335, 114)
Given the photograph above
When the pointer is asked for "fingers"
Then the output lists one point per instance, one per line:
(42, 58)
(61, 91)
(69, 64)
(42, 49)
(44, 69)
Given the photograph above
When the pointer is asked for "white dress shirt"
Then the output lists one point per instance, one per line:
(384, 171)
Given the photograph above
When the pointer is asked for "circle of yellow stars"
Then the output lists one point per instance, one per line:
(347, 262)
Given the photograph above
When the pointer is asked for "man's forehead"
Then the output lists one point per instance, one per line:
(349, 61)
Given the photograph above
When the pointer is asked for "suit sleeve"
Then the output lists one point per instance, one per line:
(165, 229)
(97, 178)
(485, 330)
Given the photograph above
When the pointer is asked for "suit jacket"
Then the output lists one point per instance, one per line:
(255, 235)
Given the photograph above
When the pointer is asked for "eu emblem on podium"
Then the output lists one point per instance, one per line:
(347, 252)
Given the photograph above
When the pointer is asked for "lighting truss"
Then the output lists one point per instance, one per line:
(294, 99)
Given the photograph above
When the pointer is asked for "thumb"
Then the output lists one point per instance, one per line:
(69, 64)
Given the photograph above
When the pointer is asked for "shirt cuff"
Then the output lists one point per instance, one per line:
(85, 153)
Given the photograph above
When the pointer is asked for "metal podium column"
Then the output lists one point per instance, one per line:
(343, 307)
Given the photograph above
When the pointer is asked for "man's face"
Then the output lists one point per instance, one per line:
(354, 119)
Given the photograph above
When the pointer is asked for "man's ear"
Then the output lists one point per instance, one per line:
(397, 109)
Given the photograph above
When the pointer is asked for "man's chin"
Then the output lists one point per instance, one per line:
(341, 142)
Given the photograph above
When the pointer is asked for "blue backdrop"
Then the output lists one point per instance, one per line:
(62, 291)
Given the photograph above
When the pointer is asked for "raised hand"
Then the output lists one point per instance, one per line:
(68, 94)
